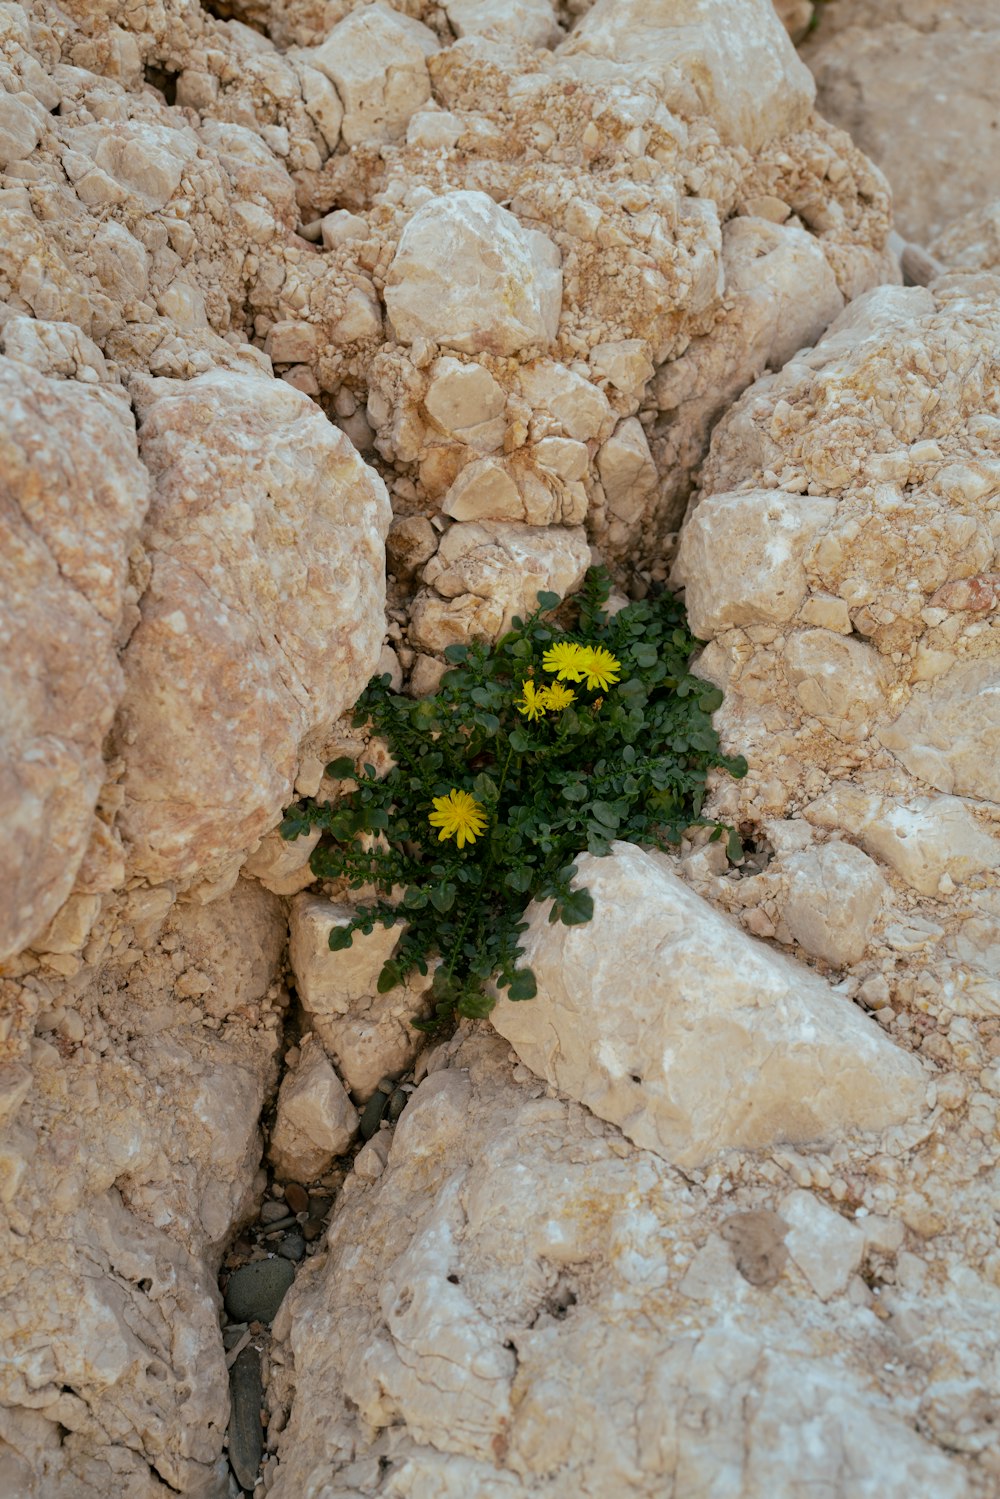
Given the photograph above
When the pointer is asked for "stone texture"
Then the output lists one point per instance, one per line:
(467, 275)
(72, 498)
(515, 1256)
(926, 132)
(376, 57)
(647, 1011)
(836, 895)
(949, 734)
(315, 1120)
(262, 619)
(367, 1034)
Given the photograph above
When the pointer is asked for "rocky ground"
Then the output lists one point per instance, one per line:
(329, 333)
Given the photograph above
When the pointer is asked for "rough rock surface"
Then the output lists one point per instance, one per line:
(522, 1304)
(929, 130)
(315, 1118)
(857, 641)
(649, 1013)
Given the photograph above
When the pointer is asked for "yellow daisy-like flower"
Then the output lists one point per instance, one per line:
(566, 660)
(459, 816)
(533, 702)
(600, 667)
(558, 697)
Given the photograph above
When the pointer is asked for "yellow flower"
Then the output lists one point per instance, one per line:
(600, 667)
(533, 703)
(459, 816)
(566, 660)
(557, 696)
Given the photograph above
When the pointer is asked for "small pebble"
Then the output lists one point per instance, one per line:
(314, 1229)
(279, 1224)
(257, 1290)
(372, 1114)
(246, 1436)
(272, 1211)
(397, 1103)
(319, 1205)
(296, 1197)
(293, 1247)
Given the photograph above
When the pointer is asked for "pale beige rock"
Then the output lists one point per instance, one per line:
(377, 58)
(796, 16)
(971, 242)
(466, 274)
(467, 402)
(315, 1119)
(926, 131)
(949, 734)
(627, 471)
(742, 557)
(582, 411)
(643, 1013)
(836, 894)
(838, 680)
(281, 864)
(826, 1248)
(484, 491)
(507, 1250)
(922, 839)
(282, 537)
(74, 495)
(367, 1034)
(747, 78)
(531, 22)
(486, 572)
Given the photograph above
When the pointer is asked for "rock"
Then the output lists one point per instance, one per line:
(796, 16)
(468, 275)
(836, 896)
(377, 58)
(749, 81)
(627, 471)
(529, 22)
(949, 734)
(514, 1253)
(246, 1435)
(839, 681)
(826, 1248)
(467, 403)
(972, 241)
(923, 839)
(486, 572)
(368, 1034)
(256, 1291)
(411, 542)
(315, 1118)
(281, 864)
(925, 131)
(224, 580)
(292, 1247)
(297, 1197)
(64, 597)
(652, 1055)
(742, 557)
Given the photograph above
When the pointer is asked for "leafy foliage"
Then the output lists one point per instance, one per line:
(627, 762)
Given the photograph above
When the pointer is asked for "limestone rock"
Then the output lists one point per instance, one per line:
(367, 1034)
(796, 17)
(748, 79)
(644, 1012)
(926, 131)
(513, 1254)
(282, 865)
(837, 893)
(315, 1120)
(468, 275)
(949, 734)
(486, 572)
(530, 22)
(377, 58)
(74, 495)
(971, 242)
(282, 537)
(742, 557)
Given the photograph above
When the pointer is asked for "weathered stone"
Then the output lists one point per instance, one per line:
(74, 494)
(826, 1248)
(217, 711)
(368, 1034)
(530, 22)
(315, 1119)
(256, 1291)
(644, 1012)
(378, 60)
(467, 275)
(949, 733)
(836, 894)
(281, 864)
(246, 1437)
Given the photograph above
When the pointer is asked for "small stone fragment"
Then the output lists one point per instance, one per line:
(255, 1291)
(297, 1197)
(246, 1435)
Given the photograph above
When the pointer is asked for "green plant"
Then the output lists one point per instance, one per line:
(556, 740)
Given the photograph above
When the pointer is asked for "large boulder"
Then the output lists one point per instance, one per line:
(602, 1324)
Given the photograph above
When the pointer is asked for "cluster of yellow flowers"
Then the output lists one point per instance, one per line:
(458, 815)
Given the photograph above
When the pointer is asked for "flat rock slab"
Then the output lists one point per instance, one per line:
(663, 1017)
(255, 1291)
(246, 1435)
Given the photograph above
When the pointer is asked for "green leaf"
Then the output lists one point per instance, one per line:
(605, 814)
(389, 977)
(734, 847)
(576, 791)
(519, 878)
(547, 600)
(520, 742)
(456, 653)
(485, 788)
(340, 938)
(341, 768)
(576, 908)
(522, 985)
(443, 898)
